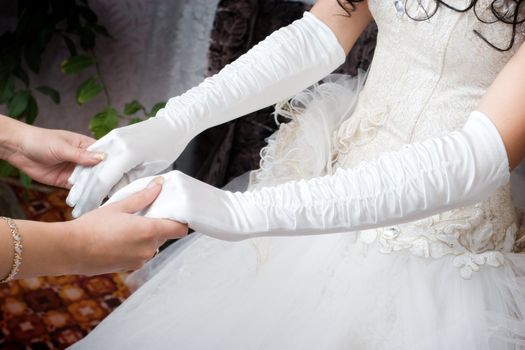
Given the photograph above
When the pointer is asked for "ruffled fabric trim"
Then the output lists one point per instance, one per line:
(304, 147)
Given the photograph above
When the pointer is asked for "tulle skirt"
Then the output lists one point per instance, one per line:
(328, 291)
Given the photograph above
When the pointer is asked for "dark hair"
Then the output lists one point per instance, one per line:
(509, 16)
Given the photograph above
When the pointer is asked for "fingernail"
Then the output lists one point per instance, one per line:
(158, 181)
(99, 155)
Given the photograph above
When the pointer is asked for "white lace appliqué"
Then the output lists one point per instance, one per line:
(466, 233)
(470, 262)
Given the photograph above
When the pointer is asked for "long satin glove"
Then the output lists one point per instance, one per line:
(286, 62)
(417, 181)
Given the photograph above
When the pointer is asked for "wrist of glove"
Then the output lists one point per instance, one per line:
(417, 181)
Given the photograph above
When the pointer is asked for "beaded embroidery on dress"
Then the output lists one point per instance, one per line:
(450, 281)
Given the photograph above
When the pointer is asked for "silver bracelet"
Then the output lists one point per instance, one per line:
(17, 245)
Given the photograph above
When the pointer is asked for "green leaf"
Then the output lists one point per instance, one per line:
(87, 38)
(44, 35)
(25, 180)
(32, 54)
(28, 22)
(75, 64)
(7, 89)
(18, 104)
(72, 21)
(134, 121)
(156, 108)
(21, 74)
(7, 169)
(132, 107)
(31, 110)
(70, 45)
(104, 122)
(52, 93)
(89, 89)
(101, 30)
(11, 60)
(10, 52)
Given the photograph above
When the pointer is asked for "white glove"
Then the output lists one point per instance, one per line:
(283, 64)
(417, 181)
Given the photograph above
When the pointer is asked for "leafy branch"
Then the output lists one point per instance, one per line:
(21, 51)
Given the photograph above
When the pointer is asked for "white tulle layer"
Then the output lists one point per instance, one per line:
(320, 292)
(315, 292)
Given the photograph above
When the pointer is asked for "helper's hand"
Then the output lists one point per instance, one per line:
(202, 207)
(113, 238)
(49, 156)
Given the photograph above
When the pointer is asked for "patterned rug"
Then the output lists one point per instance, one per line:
(51, 312)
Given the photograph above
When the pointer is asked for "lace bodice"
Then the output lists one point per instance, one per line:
(425, 78)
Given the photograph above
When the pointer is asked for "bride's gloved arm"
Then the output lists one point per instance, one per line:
(286, 62)
(419, 180)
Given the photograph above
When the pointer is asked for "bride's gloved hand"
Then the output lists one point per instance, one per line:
(417, 181)
(286, 62)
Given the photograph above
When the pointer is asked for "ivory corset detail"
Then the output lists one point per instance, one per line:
(411, 95)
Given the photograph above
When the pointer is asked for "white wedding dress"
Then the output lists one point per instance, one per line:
(447, 282)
